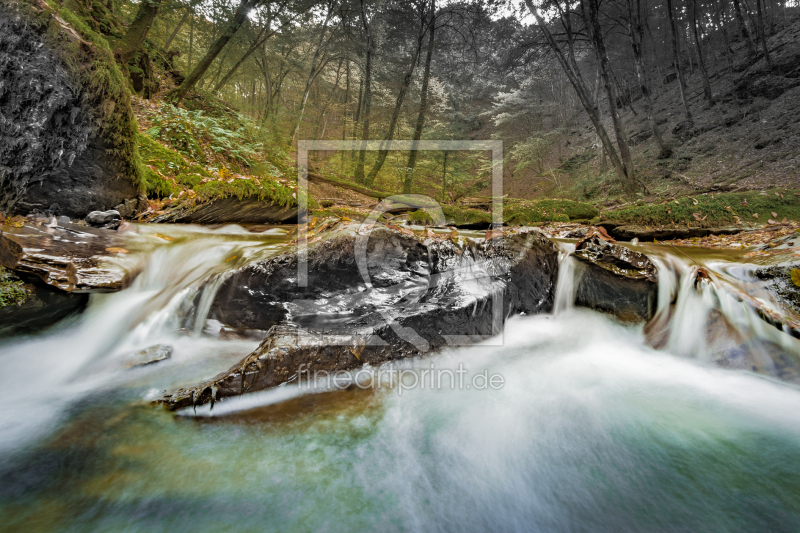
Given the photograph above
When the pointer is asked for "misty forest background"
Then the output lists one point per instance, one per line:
(599, 101)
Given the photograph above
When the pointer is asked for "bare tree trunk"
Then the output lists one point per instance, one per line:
(359, 177)
(629, 180)
(132, 42)
(676, 56)
(576, 79)
(697, 42)
(743, 31)
(398, 104)
(314, 72)
(185, 16)
(762, 34)
(636, 33)
(601, 151)
(444, 177)
(227, 34)
(423, 102)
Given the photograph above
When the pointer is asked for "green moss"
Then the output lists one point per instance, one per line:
(340, 212)
(533, 212)
(420, 217)
(269, 190)
(12, 289)
(461, 217)
(105, 88)
(712, 211)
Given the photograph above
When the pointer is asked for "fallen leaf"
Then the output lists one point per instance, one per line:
(231, 258)
(116, 250)
(755, 215)
(774, 214)
(796, 276)
(770, 221)
(697, 216)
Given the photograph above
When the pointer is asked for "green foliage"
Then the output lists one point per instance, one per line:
(204, 138)
(172, 171)
(12, 289)
(712, 210)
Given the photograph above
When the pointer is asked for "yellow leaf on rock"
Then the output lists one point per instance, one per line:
(116, 250)
(796, 277)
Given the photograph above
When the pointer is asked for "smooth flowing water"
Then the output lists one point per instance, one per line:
(591, 430)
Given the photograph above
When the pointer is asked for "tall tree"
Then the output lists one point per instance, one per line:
(233, 25)
(423, 102)
(596, 33)
(636, 33)
(569, 64)
(367, 103)
(676, 58)
(134, 38)
(401, 94)
(707, 94)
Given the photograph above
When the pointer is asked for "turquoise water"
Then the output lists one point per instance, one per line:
(592, 431)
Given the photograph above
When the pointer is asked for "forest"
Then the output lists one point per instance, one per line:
(642, 77)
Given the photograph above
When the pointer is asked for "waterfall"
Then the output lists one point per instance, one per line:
(706, 313)
(180, 270)
(570, 272)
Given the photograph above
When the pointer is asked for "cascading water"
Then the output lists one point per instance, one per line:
(569, 276)
(592, 430)
(178, 267)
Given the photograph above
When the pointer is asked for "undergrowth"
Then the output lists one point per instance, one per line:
(708, 210)
(12, 289)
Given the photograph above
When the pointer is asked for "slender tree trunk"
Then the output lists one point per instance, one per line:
(601, 151)
(423, 102)
(398, 105)
(227, 34)
(357, 119)
(367, 96)
(132, 42)
(185, 16)
(315, 70)
(576, 79)
(191, 43)
(256, 43)
(636, 33)
(444, 178)
(676, 56)
(762, 34)
(345, 110)
(701, 62)
(742, 26)
(629, 180)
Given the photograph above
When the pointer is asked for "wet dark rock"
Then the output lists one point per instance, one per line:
(232, 211)
(44, 307)
(52, 147)
(68, 257)
(644, 233)
(425, 294)
(779, 282)
(99, 219)
(617, 280)
(148, 356)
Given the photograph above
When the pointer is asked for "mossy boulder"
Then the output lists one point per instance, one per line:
(67, 132)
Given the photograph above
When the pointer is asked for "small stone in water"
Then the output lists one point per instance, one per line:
(63, 220)
(153, 354)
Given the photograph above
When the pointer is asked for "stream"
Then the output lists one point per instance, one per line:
(591, 430)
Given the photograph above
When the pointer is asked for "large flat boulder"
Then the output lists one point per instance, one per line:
(422, 293)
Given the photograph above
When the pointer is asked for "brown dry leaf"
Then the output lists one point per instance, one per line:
(694, 201)
(116, 250)
(697, 216)
(774, 214)
(755, 215)
(770, 221)
(785, 221)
